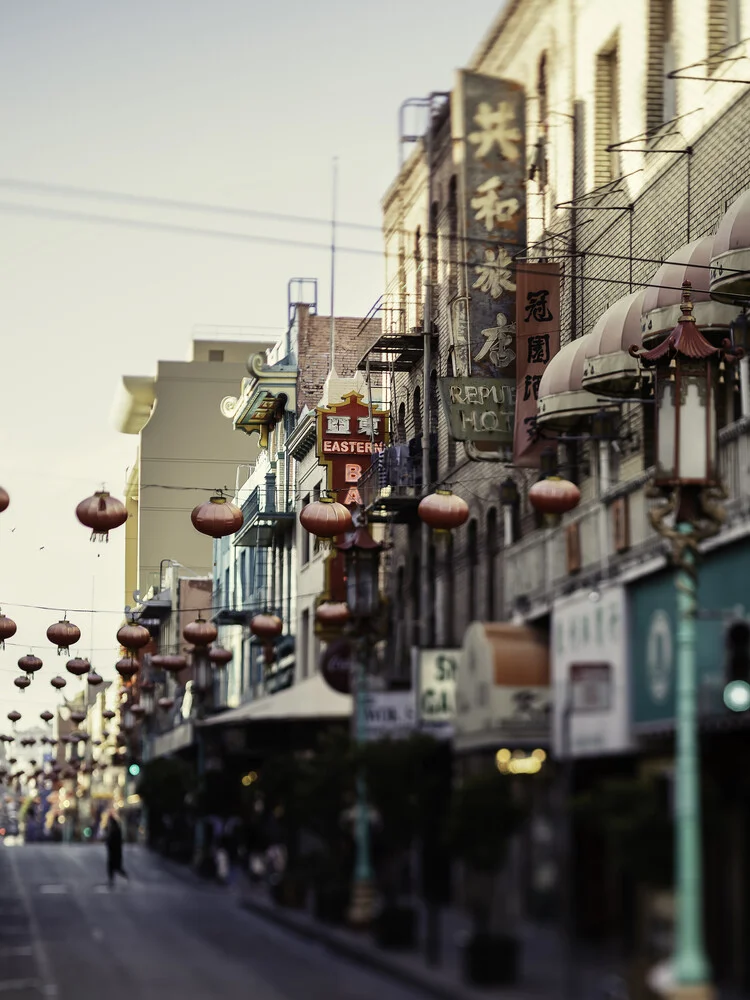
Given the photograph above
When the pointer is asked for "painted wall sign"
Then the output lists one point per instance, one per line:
(436, 685)
(488, 118)
(590, 673)
(537, 342)
(480, 409)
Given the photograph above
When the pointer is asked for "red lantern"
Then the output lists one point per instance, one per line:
(217, 517)
(108, 714)
(63, 634)
(93, 679)
(174, 663)
(4, 499)
(554, 495)
(200, 632)
(58, 682)
(147, 687)
(219, 656)
(14, 717)
(30, 664)
(138, 711)
(7, 629)
(46, 716)
(443, 510)
(157, 661)
(78, 716)
(133, 636)
(325, 518)
(165, 704)
(127, 667)
(332, 614)
(266, 626)
(77, 666)
(101, 513)
(22, 682)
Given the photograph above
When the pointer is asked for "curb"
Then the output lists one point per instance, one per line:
(367, 956)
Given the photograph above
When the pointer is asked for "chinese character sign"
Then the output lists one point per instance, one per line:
(537, 342)
(489, 125)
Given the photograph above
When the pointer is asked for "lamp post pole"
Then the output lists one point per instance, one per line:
(360, 913)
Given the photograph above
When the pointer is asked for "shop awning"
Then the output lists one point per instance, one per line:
(661, 301)
(563, 402)
(730, 256)
(308, 700)
(608, 366)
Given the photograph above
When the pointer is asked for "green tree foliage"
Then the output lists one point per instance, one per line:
(485, 814)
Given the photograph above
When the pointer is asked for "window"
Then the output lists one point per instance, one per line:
(215, 355)
(304, 643)
(492, 550)
(305, 539)
(418, 278)
(417, 412)
(661, 92)
(401, 423)
(724, 29)
(453, 255)
(472, 559)
(538, 170)
(433, 238)
(606, 115)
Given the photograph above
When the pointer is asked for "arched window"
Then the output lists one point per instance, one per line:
(417, 412)
(401, 423)
(492, 549)
(434, 215)
(472, 560)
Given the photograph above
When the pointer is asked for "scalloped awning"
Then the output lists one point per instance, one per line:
(608, 366)
(563, 401)
(730, 256)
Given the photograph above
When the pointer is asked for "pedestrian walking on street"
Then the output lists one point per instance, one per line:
(114, 850)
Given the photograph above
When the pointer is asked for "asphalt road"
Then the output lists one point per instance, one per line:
(163, 934)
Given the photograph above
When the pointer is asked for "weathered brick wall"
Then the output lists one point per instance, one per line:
(353, 338)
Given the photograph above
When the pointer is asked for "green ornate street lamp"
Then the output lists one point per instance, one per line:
(362, 554)
(688, 386)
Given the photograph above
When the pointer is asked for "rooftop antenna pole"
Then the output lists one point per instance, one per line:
(332, 343)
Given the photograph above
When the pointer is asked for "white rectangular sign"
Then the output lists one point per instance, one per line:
(436, 686)
(390, 713)
(590, 675)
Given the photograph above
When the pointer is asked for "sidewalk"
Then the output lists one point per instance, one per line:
(540, 979)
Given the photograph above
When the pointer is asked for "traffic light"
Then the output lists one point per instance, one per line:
(737, 669)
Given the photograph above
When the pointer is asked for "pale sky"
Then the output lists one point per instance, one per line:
(233, 102)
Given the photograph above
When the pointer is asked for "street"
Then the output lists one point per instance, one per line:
(64, 934)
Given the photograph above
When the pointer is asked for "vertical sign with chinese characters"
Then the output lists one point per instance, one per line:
(537, 341)
(489, 130)
(349, 436)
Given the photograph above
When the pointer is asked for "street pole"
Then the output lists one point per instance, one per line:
(360, 913)
(690, 962)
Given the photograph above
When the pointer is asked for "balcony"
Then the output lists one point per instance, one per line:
(267, 514)
(392, 487)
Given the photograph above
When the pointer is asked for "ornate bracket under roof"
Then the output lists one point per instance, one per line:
(270, 390)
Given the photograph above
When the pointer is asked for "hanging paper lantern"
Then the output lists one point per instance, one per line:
(443, 510)
(132, 636)
(165, 704)
(127, 667)
(332, 613)
(46, 717)
(554, 495)
(63, 634)
(219, 656)
(217, 517)
(30, 663)
(58, 682)
(101, 513)
(14, 716)
(138, 711)
(78, 715)
(325, 518)
(4, 499)
(7, 629)
(93, 679)
(22, 682)
(108, 714)
(174, 663)
(266, 626)
(200, 632)
(78, 666)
